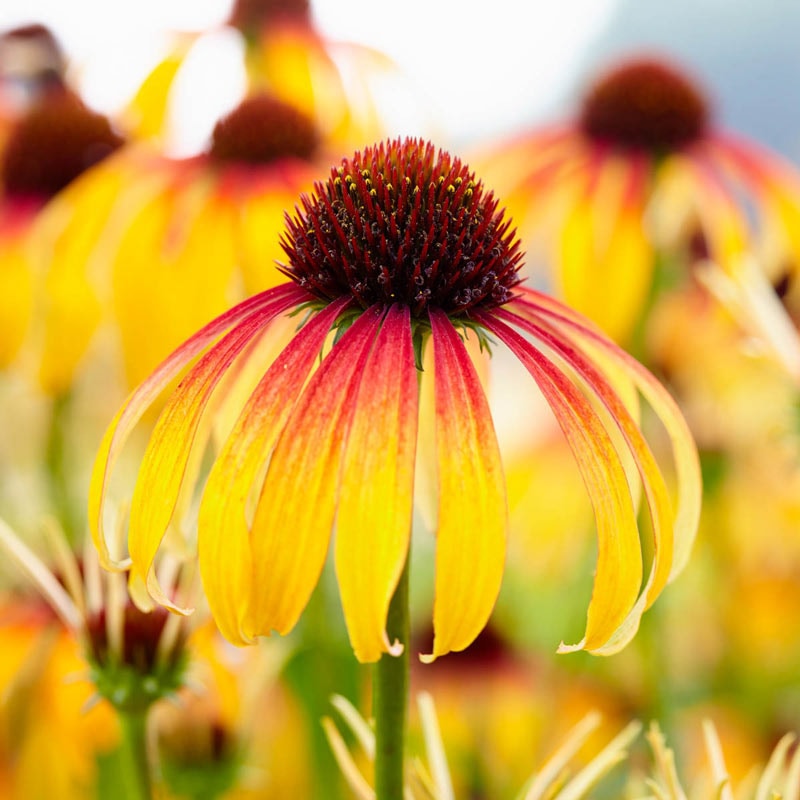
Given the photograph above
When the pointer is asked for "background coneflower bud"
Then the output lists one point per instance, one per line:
(131, 667)
(199, 754)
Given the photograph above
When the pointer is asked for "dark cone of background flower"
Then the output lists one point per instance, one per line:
(54, 143)
(263, 129)
(251, 15)
(403, 223)
(647, 104)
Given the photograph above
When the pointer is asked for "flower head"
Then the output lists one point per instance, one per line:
(127, 243)
(332, 82)
(400, 247)
(134, 658)
(642, 169)
(401, 225)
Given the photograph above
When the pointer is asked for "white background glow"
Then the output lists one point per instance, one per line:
(479, 68)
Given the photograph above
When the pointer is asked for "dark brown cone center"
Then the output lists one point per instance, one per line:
(249, 16)
(403, 223)
(647, 104)
(54, 143)
(263, 129)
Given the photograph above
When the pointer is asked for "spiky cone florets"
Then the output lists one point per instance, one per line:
(645, 103)
(404, 223)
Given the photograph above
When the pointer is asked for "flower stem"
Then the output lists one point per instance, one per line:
(390, 699)
(133, 755)
(58, 468)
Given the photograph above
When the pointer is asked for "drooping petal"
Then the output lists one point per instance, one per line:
(168, 452)
(658, 501)
(277, 300)
(473, 517)
(723, 224)
(606, 260)
(294, 517)
(223, 543)
(76, 232)
(684, 450)
(673, 532)
(619, 561)
(373, 523)
(774, 181)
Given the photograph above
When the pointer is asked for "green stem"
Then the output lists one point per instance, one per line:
(57, 466)
(390, 699)
(134, 760)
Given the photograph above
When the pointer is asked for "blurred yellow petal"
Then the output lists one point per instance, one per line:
(260, 218)
(607, 262)
(76, 237)
(184, 280)
(147, 114)
(373, 523)
(473, 517)
(16, 289)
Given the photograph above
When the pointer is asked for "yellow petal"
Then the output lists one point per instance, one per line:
(606, 262)
(146, 116)
(172, 272)
(145, 394)
(619, 561)
(373, 524)
(76, 236)
(224, 551)
(673, 532)
(295, 512)
(16, 290)
(473, 517)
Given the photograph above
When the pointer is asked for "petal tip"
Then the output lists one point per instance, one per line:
(396, 648)
(571, 648)
(428, 658)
